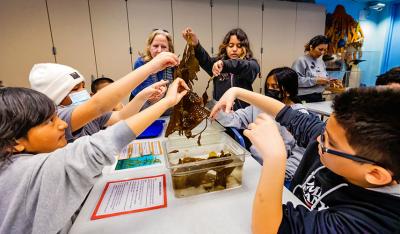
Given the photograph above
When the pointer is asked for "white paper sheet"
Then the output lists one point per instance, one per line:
(130, 196)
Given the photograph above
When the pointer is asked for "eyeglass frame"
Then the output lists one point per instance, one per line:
(353, 157)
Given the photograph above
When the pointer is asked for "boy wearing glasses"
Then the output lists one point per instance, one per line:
(349, 175)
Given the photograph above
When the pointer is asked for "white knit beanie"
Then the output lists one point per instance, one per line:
(54, 80)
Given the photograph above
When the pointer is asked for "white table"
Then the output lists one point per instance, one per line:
(322, 108)
(220, 212)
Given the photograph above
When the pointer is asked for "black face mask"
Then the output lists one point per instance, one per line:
(275, 94)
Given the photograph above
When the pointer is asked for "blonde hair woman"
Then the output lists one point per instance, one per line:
(159, 40)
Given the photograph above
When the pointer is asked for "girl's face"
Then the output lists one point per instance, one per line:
(272, 83)
(45, 137)
(319, 50)
(159, 44)
(234, 50)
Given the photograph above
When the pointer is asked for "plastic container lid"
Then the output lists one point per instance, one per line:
(152, 131)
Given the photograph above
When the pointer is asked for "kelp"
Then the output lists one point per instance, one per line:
(190, 111)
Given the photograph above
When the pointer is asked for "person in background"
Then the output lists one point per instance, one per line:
(86, 115)
(349, 176)
(390, 77)
(43, 180)
(158, 41)
(234, 65)
(100, 83)
(310, 67)
(281, 84)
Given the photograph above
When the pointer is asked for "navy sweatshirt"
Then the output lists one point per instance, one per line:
(334, 205)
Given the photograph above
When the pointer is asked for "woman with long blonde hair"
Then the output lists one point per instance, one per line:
(159, 40)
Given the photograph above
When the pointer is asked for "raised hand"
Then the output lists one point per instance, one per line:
(190, 36)
(225, 103)
(176, 91)
(217, 68)
(154, 92)
(265, 136)
(163, 60)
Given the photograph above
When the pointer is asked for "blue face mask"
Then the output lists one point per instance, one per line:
(79, 98)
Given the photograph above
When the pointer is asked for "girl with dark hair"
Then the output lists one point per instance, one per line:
(281, 84)
(234, 65)
(37, 167)
(311, 70)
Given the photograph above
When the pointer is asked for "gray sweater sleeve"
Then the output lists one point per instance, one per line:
(305, 78)
(61, 182)
(239, 119)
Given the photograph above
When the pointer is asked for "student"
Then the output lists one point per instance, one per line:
(311, 69)
(100, 83)
(64, 86)
(349, 174)
(390, 77)
(43, 180)
(234, 66)
(281, 84)
(158, 41)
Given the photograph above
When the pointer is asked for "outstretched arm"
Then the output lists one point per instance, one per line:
(157, 89)
(108, 97)
(266, 104)
(139, 122)
(267, 205)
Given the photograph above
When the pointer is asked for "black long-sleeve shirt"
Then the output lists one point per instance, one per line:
(235, 73)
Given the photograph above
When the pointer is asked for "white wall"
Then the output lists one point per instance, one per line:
(102, 48)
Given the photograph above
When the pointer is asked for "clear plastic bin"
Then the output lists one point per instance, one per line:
(201, 169)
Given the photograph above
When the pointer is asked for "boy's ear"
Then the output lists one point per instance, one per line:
(19, 147)
(378, 176)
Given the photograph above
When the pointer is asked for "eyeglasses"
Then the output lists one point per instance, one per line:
(158, 29)
(344, 155)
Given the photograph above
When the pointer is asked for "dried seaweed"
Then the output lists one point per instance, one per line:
(190, 111)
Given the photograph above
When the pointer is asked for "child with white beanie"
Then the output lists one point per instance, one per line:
(87, 115)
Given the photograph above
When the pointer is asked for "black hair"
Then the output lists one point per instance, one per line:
(20, 110)
(287, 80)
(316, 41)
(391, 76)
(371, 120)
(244, 41)
(99, 81)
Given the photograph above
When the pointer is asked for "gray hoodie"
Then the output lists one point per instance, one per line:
(308, 70)
(40, 193)
(243, 117)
